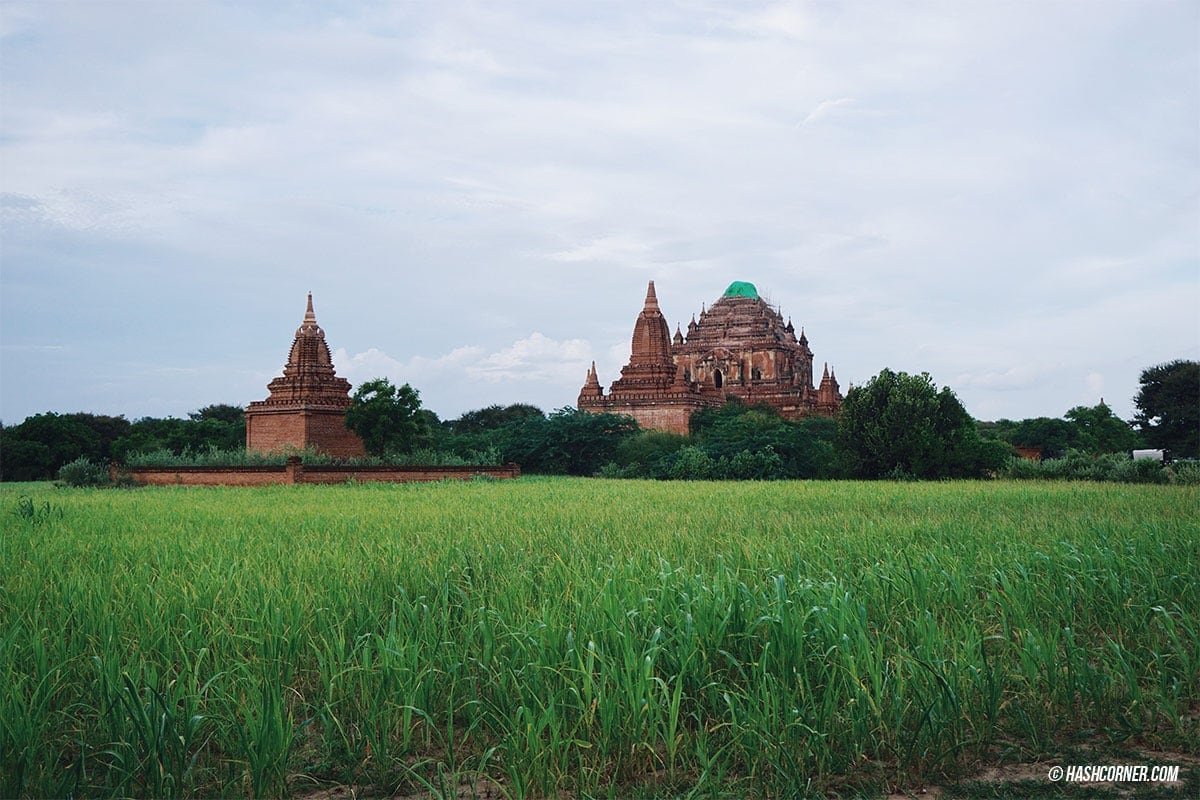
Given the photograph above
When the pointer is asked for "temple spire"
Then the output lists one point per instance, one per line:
(591, 386)
(309, 327)
(651, 298)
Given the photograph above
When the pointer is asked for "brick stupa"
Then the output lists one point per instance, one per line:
(307, 404)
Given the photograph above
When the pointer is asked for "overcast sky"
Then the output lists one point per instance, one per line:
(1002, 194)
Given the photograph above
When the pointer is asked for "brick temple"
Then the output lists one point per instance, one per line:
(739, 348)
(307, 404)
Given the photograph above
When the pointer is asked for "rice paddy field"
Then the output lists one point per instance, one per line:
(571, 638)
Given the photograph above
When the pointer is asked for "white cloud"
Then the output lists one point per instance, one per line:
(621, 249)
(906, 189)
(541, 370)
(781, 19)
(1011, 379)
(535, 358)
(825, 109)
(374, 363)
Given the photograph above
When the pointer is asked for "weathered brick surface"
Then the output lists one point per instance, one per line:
(307, 405)
(667, 411)
(740, 348)
(413, 474)
(294, 473)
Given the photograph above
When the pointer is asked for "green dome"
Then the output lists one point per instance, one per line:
(741, 289)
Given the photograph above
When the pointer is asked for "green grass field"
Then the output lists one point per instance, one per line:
(586, 638)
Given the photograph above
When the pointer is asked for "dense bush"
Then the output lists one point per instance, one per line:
(692, 464)
(1184, 473)
(83, 472)
(205, 457)
(730, 442)
(1077, 466)
(645, 454)
(783, 448)
(758, 465)
(213, 457)
(568, 442)
(488, 457)
(1128, 470)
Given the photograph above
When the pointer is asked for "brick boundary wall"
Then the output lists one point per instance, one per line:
(295, 472)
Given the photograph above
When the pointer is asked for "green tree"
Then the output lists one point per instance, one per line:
(648, 454)
(388, 418)
(759, 436)
(212, 427)
(1052, 436)
(1097, 430)
(1168, 404)
(22, 459)
(569, 442)
(221, 412)
(692, 464)
(900, 424)
(494, 417)
(38, 447)
(43, 443)
(495, 429)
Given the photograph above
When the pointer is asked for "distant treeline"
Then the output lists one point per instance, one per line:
(39, 447)
(895, 426)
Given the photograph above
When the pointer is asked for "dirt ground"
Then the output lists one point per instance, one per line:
(992, 782)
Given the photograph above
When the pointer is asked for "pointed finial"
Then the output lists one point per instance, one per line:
(651, 298)
(309, 316)
(825, 376)
(591, 386)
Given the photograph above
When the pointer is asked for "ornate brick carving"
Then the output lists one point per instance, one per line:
(306, 406)
(740, 348)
